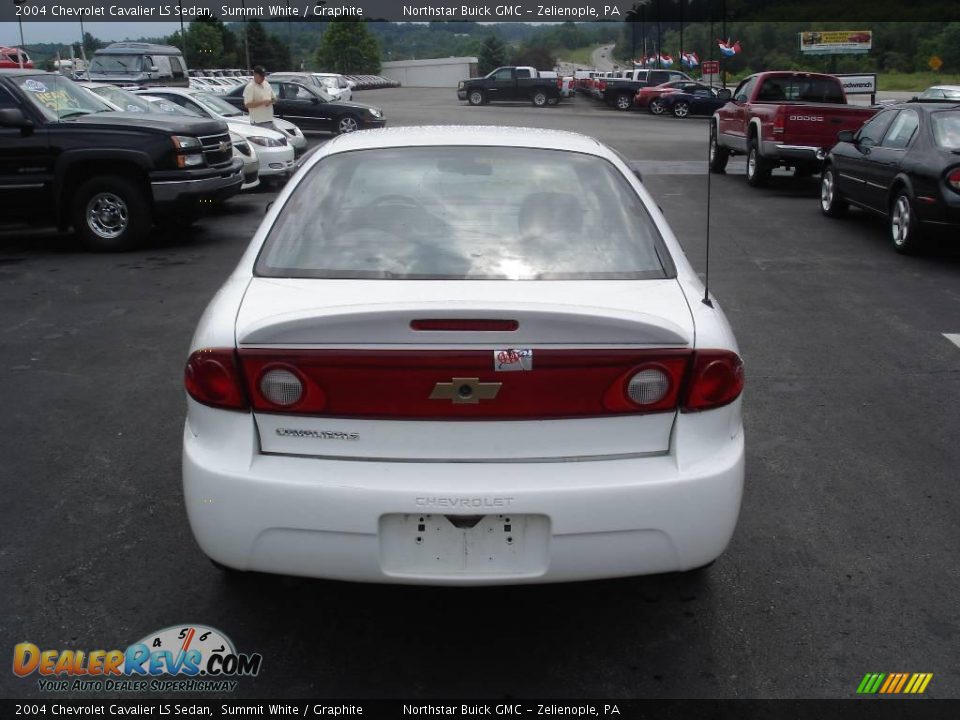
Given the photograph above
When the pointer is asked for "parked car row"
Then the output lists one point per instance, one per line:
(619, 88)
(370, 82)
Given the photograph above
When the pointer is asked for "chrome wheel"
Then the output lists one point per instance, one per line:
(348, 124)
(752, 163)
(826, 191)
(624, 102)
(681, 109)
(900, 221)
(107, 215)
(540, 99)
(476, 97)
(656, 107)
(713, 148)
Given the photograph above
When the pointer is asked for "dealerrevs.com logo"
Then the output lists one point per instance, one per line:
(180, 658)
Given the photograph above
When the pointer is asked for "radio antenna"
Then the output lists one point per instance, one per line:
(706, 278)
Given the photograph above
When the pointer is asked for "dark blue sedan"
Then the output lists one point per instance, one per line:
(698, 100)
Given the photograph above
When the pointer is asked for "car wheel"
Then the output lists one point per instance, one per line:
(475, 97)
(681, 109)
(110, 214)
(758, 169)
(539, 98)
(831, 202)
(656, 107)
(718, 155)
(553, 101)
(904, 228)
(624, 102)
(347, 124)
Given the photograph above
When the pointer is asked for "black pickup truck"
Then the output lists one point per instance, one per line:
(511, 83)
(67, 160)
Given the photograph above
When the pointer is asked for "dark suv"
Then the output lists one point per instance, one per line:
(67, 160)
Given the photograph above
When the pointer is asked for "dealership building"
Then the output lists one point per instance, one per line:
(435, 72)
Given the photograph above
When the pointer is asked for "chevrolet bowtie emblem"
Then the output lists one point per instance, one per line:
(465, 391)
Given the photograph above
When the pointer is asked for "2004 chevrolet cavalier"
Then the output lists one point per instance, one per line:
(463, 356)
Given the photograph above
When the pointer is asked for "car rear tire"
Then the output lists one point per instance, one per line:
(656, 107)
(539, 98)
(110, 214)
(718, 156)
(681, 109)
(832, 203)
(347, 124)
(758, 169)
(904, 228)
(553, 101)
(475, 97)
(623, 101)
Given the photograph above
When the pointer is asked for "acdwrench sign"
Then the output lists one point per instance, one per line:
(858, 84)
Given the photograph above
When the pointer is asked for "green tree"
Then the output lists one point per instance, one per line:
(91, 44)
(536, 53)
(349, 47)
(492, 54)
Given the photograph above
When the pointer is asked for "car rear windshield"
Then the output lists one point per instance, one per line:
(946, 129)
(471, 213)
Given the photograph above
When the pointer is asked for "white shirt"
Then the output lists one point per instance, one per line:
(255, 92)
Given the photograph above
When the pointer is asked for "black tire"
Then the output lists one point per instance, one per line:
(476, 97)
(656, 107)
(539, 98)
(553, 101)
(623, 101)
(758, 168)
(347, 124)
(832, 203)
(904, 227)
(110, 213)
(681, 109)
(718, 156)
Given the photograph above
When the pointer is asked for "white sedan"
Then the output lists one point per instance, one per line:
(463, 356)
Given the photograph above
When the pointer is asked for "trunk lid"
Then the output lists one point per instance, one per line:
(393, 392)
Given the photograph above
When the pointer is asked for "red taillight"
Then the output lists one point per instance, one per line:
(212, 377)
(560, 82)
(779, 120)
(470, 325)
(953, 179)
(716, 380)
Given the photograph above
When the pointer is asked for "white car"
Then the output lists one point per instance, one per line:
(336, 85)
(211, 105)
(463, 356)
(275, 153)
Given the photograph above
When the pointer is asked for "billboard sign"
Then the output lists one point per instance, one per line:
(836, 42)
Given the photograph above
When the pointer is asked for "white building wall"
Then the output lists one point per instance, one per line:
(437, 72)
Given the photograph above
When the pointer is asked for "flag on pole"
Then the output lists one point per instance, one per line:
(727, 49)
(689, 59)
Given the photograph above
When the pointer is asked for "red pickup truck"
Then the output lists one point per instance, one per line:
(782, 119)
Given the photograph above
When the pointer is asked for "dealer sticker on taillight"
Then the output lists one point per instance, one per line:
(513, 359)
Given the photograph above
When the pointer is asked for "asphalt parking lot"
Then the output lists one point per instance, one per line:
(844, 561)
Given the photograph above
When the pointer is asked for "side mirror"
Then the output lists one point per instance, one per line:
(154, 68)
(724, 94)
(14, 118)
(845, 136)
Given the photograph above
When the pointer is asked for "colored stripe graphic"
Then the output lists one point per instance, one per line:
(894, 683)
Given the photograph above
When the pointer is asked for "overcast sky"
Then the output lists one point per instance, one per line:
(64, 32)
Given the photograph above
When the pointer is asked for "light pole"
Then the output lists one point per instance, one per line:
(246, 34)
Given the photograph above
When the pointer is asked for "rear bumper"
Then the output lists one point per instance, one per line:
(786, 153)
(169, 188)
(325, 518)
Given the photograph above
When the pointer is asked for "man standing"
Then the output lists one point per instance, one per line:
(258, 99)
